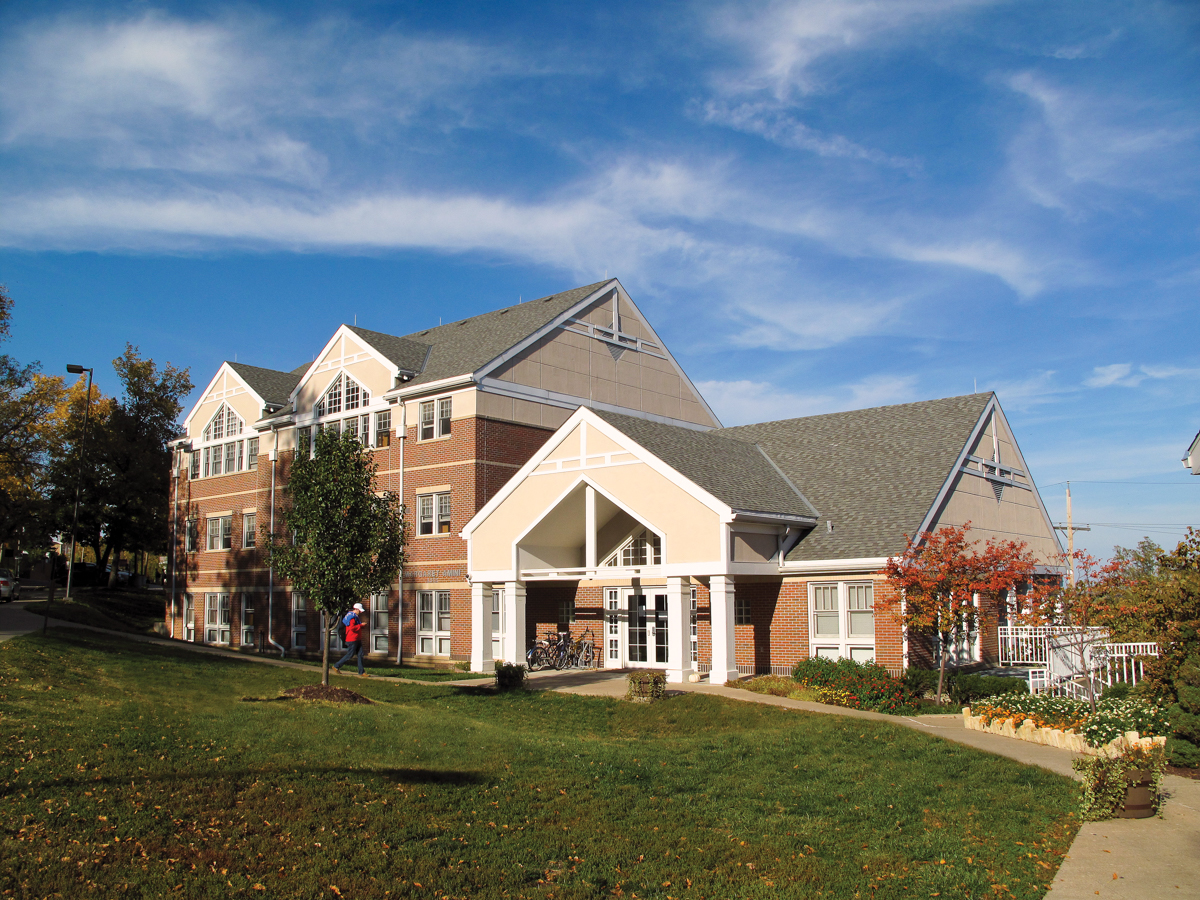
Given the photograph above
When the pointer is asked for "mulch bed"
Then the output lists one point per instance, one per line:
(1184, 771)
(328, 694)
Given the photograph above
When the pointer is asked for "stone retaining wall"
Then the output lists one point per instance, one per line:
(1056, 737)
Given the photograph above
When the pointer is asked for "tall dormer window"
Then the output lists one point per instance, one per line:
(642, 549)
(344, 395)
(226, 451)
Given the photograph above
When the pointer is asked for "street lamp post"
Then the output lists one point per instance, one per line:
(78, 370)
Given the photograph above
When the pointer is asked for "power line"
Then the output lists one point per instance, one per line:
(1151, 483)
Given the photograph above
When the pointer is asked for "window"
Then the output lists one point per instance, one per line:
(248, 535)
(344, 393)
(247, 620)
(433, 623)
(642, 549)
(695, 637)
(189, 616)
(252, 454)
(612, 623)
(426, 433)
(379, 622)
(741, 609)
(233, 456)
(195, 464)
(435, 418)
(303, 441)
(190, 536)
(217, 456)
(433, 513)
(843, 620)
(351, 427)
(222, 457)
(220, 533)
(299, 621)
(497, 623)
(216, 619)
(566, 612)
(383, 428)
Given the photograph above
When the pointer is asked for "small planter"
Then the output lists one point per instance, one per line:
(645, 687)
(1140, 797)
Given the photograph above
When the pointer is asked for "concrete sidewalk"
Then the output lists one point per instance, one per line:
(1122, 859)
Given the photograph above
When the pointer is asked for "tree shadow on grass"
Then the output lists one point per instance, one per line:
(393, 775)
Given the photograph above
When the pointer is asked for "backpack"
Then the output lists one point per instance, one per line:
(341, 628)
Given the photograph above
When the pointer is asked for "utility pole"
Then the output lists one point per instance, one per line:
(1070, 528)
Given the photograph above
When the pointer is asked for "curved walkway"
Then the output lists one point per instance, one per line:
(1122, 859)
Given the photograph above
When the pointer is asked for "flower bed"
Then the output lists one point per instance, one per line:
(844, 682)
(1067, 723)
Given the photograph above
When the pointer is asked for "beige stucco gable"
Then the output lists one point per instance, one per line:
(345, 352)
(538, 520)
(226, 389)
(997, 511)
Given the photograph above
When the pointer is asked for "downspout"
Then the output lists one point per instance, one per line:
(401, 433)
(271, 558)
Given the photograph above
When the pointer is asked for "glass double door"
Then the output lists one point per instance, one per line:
(636, 628)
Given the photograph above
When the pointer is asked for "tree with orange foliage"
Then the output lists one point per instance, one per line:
(939, 575)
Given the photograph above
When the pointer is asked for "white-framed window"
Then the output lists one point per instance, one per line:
(434, 418)
(249, 537)
(842, 620)
(195, 473)
(497, 622)
(350, 426)
(304, 441)
(217, 619)
(383, 428)
(252, 454)
(612, 623)
(379, 622)
(189, 616)
(433, 513)
(299, 621)
(222, 456)
(343, 393)
(247, 620)
(641, 549)
(433, 623)
(190, 536)
(220, 533)
(694, 626)
(741, 609)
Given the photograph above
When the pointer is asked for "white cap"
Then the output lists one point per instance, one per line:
(359, 607)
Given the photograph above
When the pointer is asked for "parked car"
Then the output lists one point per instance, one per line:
(10, 588)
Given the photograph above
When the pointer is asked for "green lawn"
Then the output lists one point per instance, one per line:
(390, 670)
(140, 770)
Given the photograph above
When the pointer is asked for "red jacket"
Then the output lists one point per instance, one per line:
(354, 626)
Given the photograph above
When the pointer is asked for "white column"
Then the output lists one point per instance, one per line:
(589, 527)
(679, 608)
(481, 627)
(514, 622)
(724, 652)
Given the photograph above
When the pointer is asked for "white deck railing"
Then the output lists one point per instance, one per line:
(1110, 664)
(1028, 645)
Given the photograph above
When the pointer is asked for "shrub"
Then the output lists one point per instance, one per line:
(1104, 780)
(646, 687)
(1184, 743)
(857, 685)
(965, 688)
(1118, 691)
(1043, 710)
(509, 676)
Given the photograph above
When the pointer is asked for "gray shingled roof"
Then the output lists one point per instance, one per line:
(408, 355)
(874, 473)
(274, 387)
(734, 471)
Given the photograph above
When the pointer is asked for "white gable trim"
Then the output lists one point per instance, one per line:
(588, 419)
(225, 369)
(992, 407)
(318, 364)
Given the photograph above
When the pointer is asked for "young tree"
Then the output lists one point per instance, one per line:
(939, 576)
(344, 541)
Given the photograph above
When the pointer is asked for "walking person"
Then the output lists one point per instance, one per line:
(354, 642)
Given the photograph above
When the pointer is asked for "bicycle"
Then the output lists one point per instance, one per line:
(583, 651)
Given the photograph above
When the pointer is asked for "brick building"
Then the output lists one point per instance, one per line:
(560, 470)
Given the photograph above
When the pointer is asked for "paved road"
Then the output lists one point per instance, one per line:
(1123, 859)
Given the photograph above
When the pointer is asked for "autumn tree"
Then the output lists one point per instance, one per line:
(343, 541)
(939, 575)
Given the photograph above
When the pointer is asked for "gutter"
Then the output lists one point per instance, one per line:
(401, 434)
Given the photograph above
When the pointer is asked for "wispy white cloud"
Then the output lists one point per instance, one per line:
(743, 401)
(1125, 375)
(812, 322)
(1036, 389)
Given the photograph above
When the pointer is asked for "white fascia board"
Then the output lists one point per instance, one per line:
(223, 368)
(342, 331)
(829, 566)
(583, 414)
(567, 401)
(740, 516)
(1029, 474)
(407, 392)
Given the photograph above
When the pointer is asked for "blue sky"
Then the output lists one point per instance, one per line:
(820, 205)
